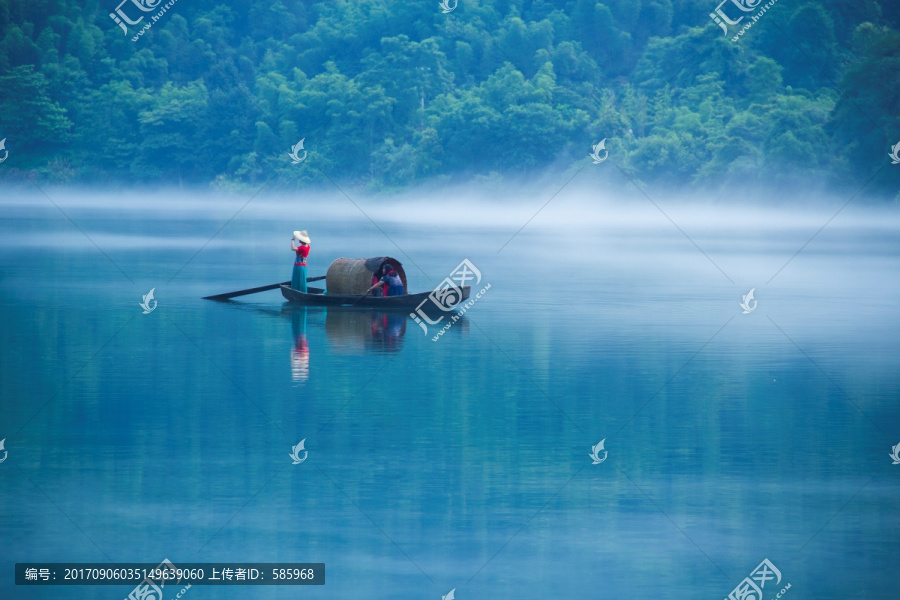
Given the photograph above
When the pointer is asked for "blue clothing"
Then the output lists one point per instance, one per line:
(298, 278)
(394, 283)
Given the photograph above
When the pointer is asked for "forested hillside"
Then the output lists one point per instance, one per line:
(387, 94)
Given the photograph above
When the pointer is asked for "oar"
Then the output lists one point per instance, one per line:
(255, 290)
(360, 299)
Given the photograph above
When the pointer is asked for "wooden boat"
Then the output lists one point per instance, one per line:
(318, 297)
(347, 280)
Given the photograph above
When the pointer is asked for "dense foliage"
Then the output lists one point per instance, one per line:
(391, 93)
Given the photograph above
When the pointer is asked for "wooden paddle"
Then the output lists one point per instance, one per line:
(255, 290)
(360, 299)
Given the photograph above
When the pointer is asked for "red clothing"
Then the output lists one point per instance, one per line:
(379, 291)
(302, 253)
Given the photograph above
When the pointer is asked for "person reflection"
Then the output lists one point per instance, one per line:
(388, 330)
(300, 348)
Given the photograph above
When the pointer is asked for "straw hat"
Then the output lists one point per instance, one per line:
(302, 236)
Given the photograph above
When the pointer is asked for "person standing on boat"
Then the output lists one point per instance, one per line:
(300, 246)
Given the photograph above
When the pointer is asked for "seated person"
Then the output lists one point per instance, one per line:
(391, 280)
(378, 288)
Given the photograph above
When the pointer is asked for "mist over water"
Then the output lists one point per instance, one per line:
(741, 435)
(581, 237)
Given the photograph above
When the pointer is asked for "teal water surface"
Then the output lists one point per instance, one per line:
(461, 463)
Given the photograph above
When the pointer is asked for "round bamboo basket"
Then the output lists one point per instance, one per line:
(354, 275)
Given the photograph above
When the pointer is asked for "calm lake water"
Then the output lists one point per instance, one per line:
(464, 462)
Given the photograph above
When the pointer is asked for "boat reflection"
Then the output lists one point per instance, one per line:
(349, 331)
(355, 330)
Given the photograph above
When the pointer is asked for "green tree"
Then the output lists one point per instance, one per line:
(168, 127)
(32, 120)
